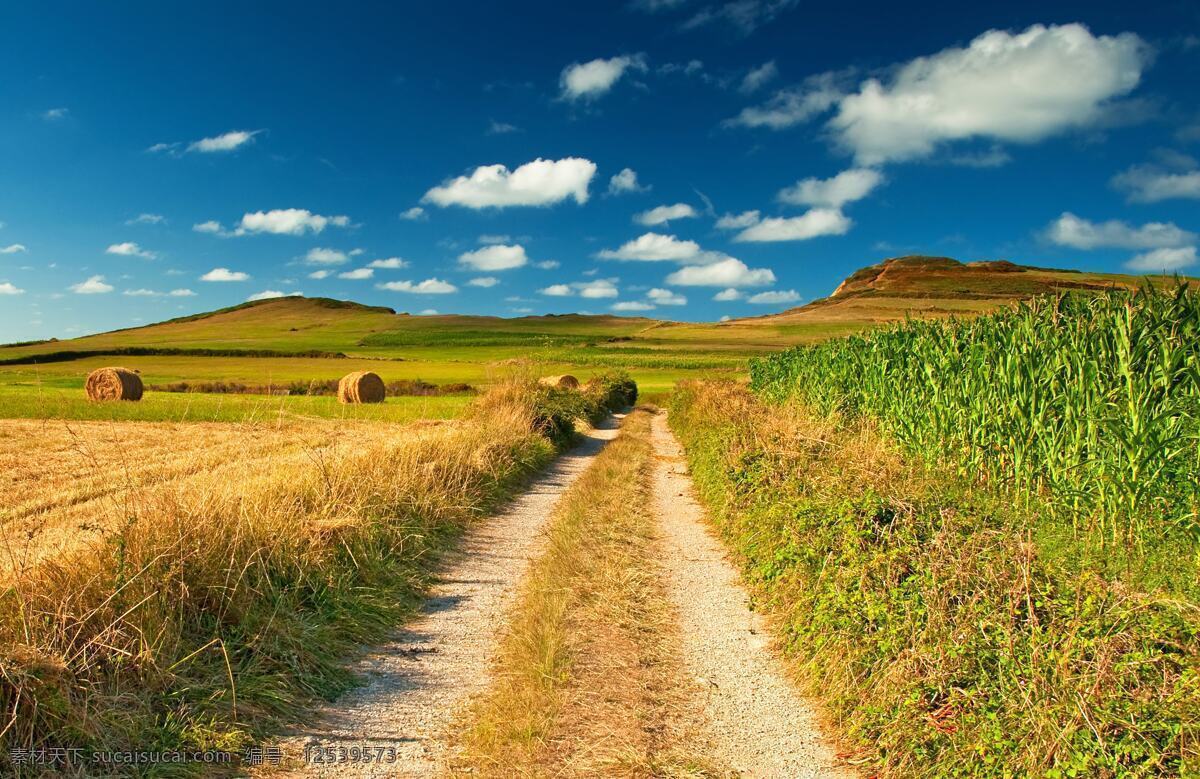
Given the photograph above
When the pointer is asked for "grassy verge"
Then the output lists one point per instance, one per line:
(585, 682)
(217, 610)
(944, 635)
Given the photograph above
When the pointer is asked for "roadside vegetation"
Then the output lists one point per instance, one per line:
(978, 537)
(216, 607)
(586, 680)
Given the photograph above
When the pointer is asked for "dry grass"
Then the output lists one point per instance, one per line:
(587, 681)
(225, 598)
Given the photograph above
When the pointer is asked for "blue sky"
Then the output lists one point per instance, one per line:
(685, 159)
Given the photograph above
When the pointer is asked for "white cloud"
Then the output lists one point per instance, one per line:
(490, 239)
(150, 293)
(664, 214)
(224, 274)
(502, 128)
(55, 114)
(320, 274)
(7, 288)
(388, 263)
(730, 272)
(93, 286)
(318, 256)
(1150, 184)
(845, 187)
(774, 297)
(210, 226)
(130, 249)
(271, 294)
(428, 312)
(538, 183)
(653, 247)
(590, 80)
(726, 295)
(632, 305)
(665, 297)
(1071, 230)
(147, 219)
(426, 287)
(13, 248)
(547, 264)
(288, 221)
(816, 222)
(181, 293)
(738, 221)
(758, 77)
(1010, 87)
(414, 214)
(744, 15)
(358, 274)
(1163, 260)
(600, 288)
(224, 142)
(625, 181)
(493, 258)
(794, 105)
(169, 148)
(484, 281)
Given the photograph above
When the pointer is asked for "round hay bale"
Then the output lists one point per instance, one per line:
(565, 381)
(113, 384)
(361, 387)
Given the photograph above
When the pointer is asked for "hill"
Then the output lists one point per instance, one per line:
(919, 285)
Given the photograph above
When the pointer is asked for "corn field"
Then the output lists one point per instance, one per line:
(1088, 403)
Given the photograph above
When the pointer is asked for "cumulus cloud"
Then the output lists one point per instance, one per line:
(1078, 233)
(388, 263)
(632, 305)
(666, 297)
(13, 248)
(1163, 260)
(224, 274)
(484, 281)
(270, 294)
(1150, 184)
(426, 287)
(288, 221)
(7, 288)
(147, 219)
(738, 221)
(590, 80)
(130, 249)
(229, 141)
(625, 182)
(845, 187)
(358, 274)
(812, 224)
(94, 285)
(774, 297)
(538, 183)
(1020, 87)
(494, 258)
(547, 264)
(599, 288)
(318, 256)
(727, 295)
(730, 272)
(664, 214)
(758, 77)
(320, 274)
(652, 247)
(414, 214)
(795, 105)
(150, 293)
(211, 226)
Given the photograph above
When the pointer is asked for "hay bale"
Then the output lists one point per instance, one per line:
(113, 384)
(361, 387)
(565, 381)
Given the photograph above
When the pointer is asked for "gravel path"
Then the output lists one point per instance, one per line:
(759, 723)
(419, 681)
